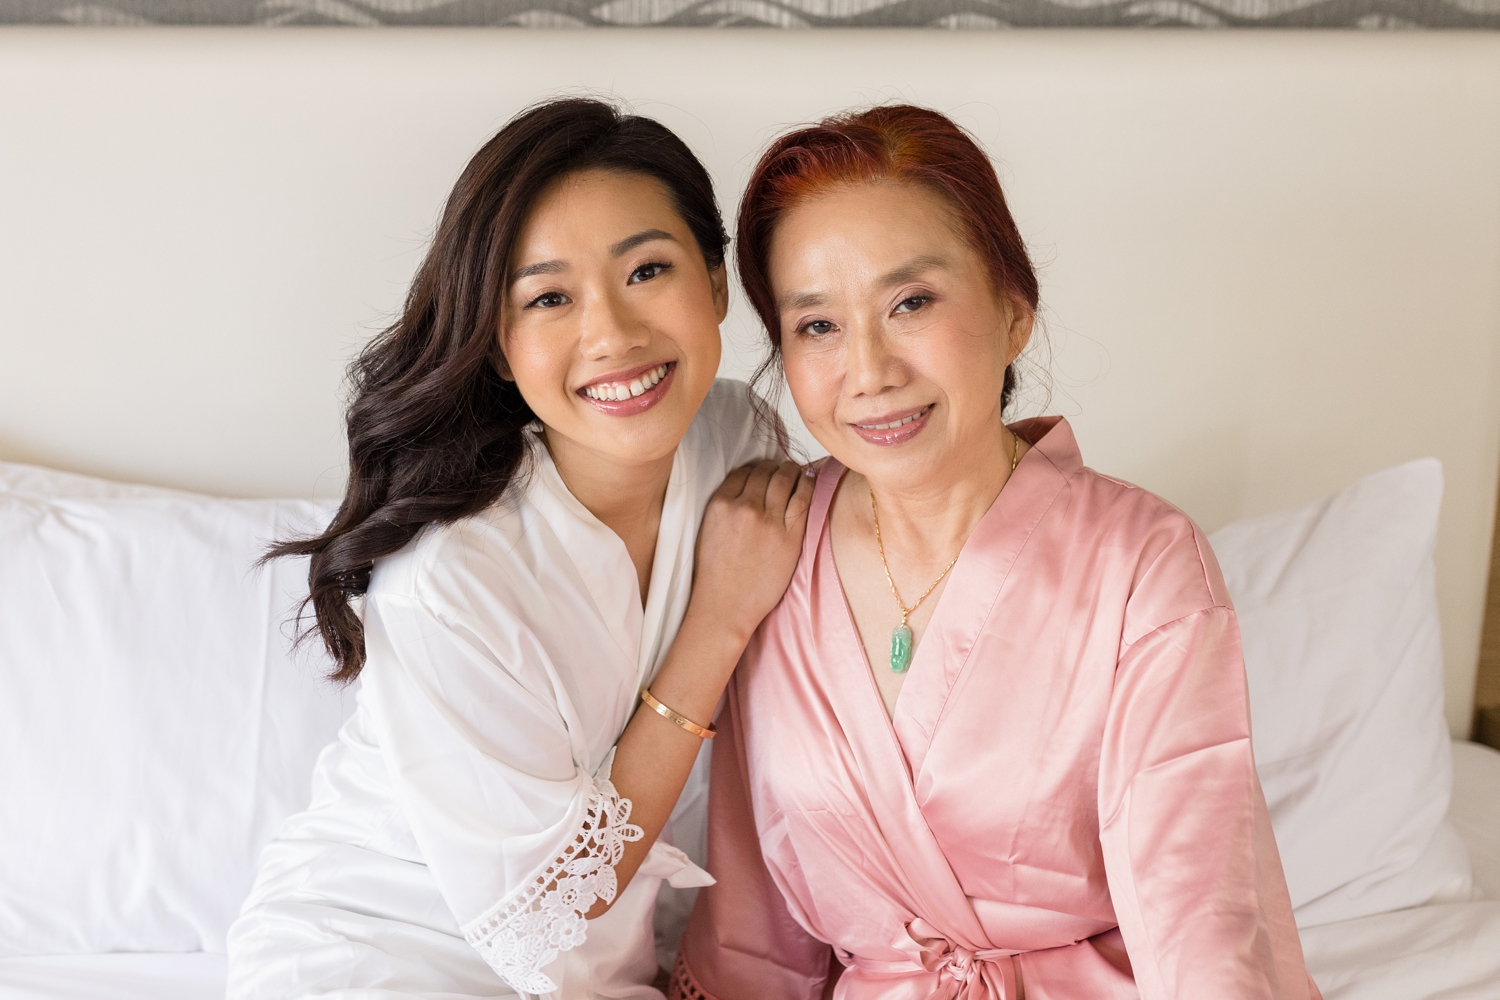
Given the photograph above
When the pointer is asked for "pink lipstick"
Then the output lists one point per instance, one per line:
(894, 428)
(635, 390)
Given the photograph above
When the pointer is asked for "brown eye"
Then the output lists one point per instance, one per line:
(648, 271)
(912, 303)
(816, 328)
(548, 300)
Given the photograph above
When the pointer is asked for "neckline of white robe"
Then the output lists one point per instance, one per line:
(602, 561)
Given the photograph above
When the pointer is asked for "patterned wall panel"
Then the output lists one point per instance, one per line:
(960, 14)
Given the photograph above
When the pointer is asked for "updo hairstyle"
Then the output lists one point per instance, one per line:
(895, 142)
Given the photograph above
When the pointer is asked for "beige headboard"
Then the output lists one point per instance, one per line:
(1271, 260)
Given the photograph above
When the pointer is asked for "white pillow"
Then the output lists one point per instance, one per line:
(154, 727)
(42, 483)
(1337, 603)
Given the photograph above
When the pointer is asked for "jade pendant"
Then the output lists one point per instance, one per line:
(900, 649)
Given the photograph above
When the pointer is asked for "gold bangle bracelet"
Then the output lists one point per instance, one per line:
(683, 721)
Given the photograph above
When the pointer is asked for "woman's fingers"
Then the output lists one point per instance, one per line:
(779, 489)
(749, 544)
(758, 481)
(734, 483)
(801, 501)
(771, 487)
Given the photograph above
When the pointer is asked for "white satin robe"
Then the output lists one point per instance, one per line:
(464, 820)
(1065, 794)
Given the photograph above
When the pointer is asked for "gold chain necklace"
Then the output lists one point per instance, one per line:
(901, 637)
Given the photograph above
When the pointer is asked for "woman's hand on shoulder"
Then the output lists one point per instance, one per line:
(749, 544)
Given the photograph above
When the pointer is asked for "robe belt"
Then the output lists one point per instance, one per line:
(963, 973)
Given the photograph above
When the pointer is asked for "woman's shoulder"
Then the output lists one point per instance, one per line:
(734, 426)
(1173, 570)
(728, 399)
(1129, 506)
(447, 564)
(1095, 502)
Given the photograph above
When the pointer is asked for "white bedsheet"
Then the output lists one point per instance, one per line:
(192, 976)
(1449, 951)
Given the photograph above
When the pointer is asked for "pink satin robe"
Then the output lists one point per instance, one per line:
(1066, 790)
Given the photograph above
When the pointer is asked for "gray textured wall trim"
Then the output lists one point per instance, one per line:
(1368, 14)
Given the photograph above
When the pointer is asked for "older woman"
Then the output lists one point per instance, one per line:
(1063, 805)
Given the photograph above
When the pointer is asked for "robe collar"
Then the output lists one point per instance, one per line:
(981, 576)
(891, 751)
(601, 560)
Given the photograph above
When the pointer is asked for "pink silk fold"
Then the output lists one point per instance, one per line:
(1064, 805)
(963, 973)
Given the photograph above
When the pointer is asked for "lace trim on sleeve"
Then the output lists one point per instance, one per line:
(525, 932)
(684, 985)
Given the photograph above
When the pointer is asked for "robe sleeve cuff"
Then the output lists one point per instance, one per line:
(524, 933)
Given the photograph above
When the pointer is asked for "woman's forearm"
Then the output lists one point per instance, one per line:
(747, 549)
(654, 756)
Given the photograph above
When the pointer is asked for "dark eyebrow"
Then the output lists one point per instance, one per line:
(629, 243)
(911, 269)
(542, 267)
(619, 249)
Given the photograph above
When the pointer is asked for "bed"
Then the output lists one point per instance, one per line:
(1447, 951)
(158, 726)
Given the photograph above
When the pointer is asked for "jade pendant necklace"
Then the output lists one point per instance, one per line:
(901, 638)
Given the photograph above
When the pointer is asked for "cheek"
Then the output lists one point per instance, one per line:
(699, 332)
(965, 363)
(685, 312)
(814, 377)
(537, 363)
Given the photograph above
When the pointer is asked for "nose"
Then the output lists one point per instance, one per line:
(610, 328)
(870, 367)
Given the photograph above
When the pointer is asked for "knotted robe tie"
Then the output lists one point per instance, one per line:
(963, 973)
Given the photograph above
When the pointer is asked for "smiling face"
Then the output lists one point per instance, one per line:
(894, 340)
(611, 320)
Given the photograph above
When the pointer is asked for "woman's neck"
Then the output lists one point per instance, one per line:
(626, 497)
(929, 521)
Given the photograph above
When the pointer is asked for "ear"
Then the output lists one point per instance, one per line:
(497, 357)
(719, 279)
(1022, 320)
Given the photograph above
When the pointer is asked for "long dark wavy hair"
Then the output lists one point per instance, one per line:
(435, 430)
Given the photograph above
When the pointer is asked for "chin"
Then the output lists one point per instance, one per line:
(649, 441)
(902, 465)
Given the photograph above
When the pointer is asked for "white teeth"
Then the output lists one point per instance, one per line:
(612, 391)
(895, 423)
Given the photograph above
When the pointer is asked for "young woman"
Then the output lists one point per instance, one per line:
(512, 577)
(1020, 680)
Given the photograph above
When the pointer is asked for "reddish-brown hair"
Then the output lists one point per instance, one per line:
(895, 142)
